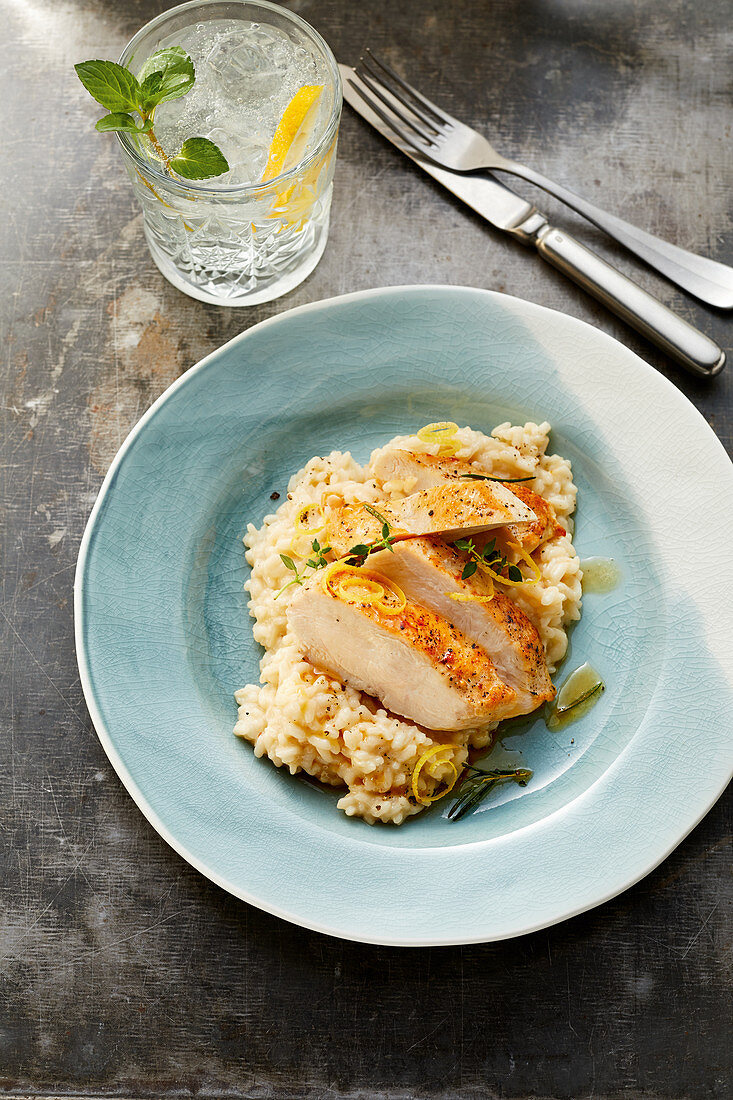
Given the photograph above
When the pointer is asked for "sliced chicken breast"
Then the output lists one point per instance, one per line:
(429, 571)
(416, 663)
(350, 524)
(459, 509)
(426, 471)
(545, 525)
(454, 510)
(418, 470)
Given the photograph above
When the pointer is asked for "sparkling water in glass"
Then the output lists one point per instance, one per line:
(234, 240)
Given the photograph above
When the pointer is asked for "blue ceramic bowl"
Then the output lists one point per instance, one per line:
(164, 638)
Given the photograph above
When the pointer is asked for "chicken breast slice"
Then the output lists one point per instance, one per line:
(429, 571)
(459, 509)
(348, 525)
(415, 662)
(454, 510)
(545, 525)
(422, 471)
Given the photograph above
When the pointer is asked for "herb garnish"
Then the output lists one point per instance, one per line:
(501, 480)
(167, 74)
(357, 555)
(595, 690)
(478, 784)
(488, 557)
(318, 561)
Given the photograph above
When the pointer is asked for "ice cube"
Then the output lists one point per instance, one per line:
(249, 65)
(246, 154)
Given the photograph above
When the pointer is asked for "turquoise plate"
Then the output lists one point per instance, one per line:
(164, 639)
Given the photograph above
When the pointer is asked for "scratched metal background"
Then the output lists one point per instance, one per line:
(124, 973)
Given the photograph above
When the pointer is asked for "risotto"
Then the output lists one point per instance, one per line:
(304, 719)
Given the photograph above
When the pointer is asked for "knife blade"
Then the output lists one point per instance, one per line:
(507, 211)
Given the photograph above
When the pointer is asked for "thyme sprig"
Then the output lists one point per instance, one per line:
(501, 480)
(489, 558)
(318, 561)
(357, 555)
(478, 784)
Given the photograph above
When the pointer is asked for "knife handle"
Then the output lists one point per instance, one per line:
(685, 344)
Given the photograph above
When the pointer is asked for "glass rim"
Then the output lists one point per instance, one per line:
(240, 188)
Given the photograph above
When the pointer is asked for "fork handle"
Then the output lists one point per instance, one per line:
(685, 344)
(706, 279)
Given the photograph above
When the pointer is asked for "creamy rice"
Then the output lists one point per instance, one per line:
(304, 719)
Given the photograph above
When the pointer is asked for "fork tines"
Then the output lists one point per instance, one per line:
(402, 102)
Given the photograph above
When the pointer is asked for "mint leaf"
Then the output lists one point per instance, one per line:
(118, 120)
(111, 85)
(149, 90)
(176, 72)
(199, 159)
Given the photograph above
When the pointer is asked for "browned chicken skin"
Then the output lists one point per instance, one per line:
(545, 526)
(424, 470)
(453, 510)
(429, 571)
(445, 663)
(415, 662)
(429, 471)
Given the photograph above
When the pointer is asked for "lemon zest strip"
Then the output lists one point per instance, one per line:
(359, 590)
(335, 567)
(427, 755)
(467, 597)
(441, 432)
(440, 427)
(296, 545)
(367, 587)
(391, 608)
(529, 560)
(303, 512)
(524, 556)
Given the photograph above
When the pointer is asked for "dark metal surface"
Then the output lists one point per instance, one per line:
(124, 972)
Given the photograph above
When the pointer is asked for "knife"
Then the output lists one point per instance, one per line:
(505, 210)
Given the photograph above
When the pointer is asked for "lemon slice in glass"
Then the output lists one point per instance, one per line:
(293, 131)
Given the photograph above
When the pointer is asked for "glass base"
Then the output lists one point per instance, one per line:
(274, 289)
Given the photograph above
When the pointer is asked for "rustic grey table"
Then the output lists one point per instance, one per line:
(124, 972)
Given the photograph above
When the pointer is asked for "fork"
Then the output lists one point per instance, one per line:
(436, 136)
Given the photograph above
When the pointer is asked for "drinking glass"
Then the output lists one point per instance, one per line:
(232, 240)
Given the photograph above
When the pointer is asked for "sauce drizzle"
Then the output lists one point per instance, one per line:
(578, 694)
(600, 574)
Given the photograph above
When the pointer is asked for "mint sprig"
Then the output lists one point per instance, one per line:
(167, 74)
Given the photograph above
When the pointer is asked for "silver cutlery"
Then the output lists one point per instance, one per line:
(435, 135)
(505, 210)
